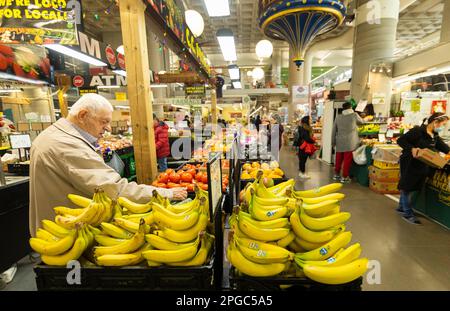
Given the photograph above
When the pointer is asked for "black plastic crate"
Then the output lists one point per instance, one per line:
(19, 169)
(133, 278)
(279, 283)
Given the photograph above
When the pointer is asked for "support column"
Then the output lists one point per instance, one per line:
(213, 107)
(276, 67)
(308, 67)
(132, 17)
(374, 42)
(295, 79)
(445, 29)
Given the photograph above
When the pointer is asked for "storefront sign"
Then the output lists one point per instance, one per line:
(78, 81)
(101, 51)
(87, 90)
(195, 90)
(184, 101)
(300, 94)
(121, 96)
(102, 80)
(439, 106)
(37, 22)
(379, 99)
(25, 61)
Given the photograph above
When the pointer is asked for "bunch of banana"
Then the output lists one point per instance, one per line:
(58, 246)
(317, 192)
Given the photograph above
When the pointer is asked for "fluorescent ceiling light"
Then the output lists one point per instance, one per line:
(155, 86)
(122, 107)
(325, 56)
(120, 72)
(108, 87)
(10, 91)
(227, 45)
(233, 70)
(8, 76)
(75, 54)
(121, 50)
(324, 74)
(217, 8)
(424, 74)
(237, 84)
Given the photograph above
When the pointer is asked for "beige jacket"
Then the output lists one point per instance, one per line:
(63, 162)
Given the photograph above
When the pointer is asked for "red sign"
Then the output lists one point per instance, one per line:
(110, 55)
(78, 81)
(121, 61)
(439, 106)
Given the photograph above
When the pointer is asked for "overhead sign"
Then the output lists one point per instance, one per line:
(101, 51)
(102, 80)
(87, 90)
(121, 96)
(300, 94)
(78, 81)
(195, 89)
(184, 101)
(38, 22)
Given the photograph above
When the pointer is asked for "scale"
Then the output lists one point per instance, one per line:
(19, 142)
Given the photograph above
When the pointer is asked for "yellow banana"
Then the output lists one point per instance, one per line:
(324, 223)
(269, 214)
(136, 216)
(276, 255)
(46, 236)
(154, 263)
(61, 210)
(120, 260)
(270, 201)
(79, 200)
(249, 190)
(262, 234)
(130, 225)
(334, 211)
(295, 247)
(74, 253)
(109, 207)
(105, 240)
(346, 256)
(263, 192)
(269, 224)
(117, 211)
(308, 246)
(338, 274)
(180, 208)
(94, 230)
(281, 187)
(52, 248)
(200, 258)
(316, 210)
(87, 217)
(318, 192)
(284, 242)
(162, 210)
(332, 196)
(250, 268)
(184, 236)
(115, 231)
(166, 256)
(177, 224)
(54, 228)
(326, 251)
(133, 207)
(125, 247)
(164, 244)
(311, 236)
(89, 235)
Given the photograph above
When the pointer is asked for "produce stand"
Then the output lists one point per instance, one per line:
(361, 172)
(278, 283)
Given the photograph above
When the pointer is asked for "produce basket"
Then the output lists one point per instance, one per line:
(278, 283)
(133, 278)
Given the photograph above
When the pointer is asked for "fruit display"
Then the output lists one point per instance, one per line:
(113, 142)
(270, 170)
(115, 233)
(280, 231)
(189, 176)
(369, 129)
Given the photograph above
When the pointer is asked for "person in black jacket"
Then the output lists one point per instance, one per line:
(413, 172)
(304, 133)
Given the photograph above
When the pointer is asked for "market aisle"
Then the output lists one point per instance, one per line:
(411, 257)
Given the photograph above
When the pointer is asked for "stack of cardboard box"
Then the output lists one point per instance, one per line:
(385, 173)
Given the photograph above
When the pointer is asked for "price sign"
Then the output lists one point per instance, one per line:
(214, 182)
(20, 141)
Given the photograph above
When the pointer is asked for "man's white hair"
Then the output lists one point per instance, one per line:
(92, 103)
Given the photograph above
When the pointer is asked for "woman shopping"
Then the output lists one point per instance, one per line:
(413, 172)
(345, 140)
(306, 145)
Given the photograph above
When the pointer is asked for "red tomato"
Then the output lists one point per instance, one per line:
(186, 177)
(3, 63)
(180, 172)
(174, 178)
(184, 184)
(225, 181)
(171, 185)
(199, 176)
(163, 178)
(190, 187)
(205, 178)
(204, 187)
(161, 185)
(154, 184)
(192, 171)
(170, 171)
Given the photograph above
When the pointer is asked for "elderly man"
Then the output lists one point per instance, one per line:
(64, 159)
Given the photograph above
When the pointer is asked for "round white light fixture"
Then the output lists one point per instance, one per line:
(264, 49)
(250, 73)
(258, 73)
(195, 22)
(121, 50)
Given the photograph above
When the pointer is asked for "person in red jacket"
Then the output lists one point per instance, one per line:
(162, 142)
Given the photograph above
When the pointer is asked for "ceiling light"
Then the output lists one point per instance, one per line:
(10, 91)
(122, 107)
(326, 56)
(234, 72)
(381, 70)
(250, 73)
(264, 49)
(389, 70)
(422, 75)
(75, 54)
(374, 70)
(7, 76)
(195, 22)
(227, 45)
(258, 73)
(120, 72)
(121, 50)
(217, 8)
(108, 87)
(324, 74)
(237, 84)
(156, 86)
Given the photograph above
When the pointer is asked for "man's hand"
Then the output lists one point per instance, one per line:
(415, 152)
(179, 194)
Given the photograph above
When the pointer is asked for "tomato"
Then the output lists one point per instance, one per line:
(204, 187)
(192, 171)
(161, 185)
(180, 172)
(171, 185)
(199, 176)
(163, 178)
(197, 166)
(225, 181)
(18, 71)
(3, 63)
(170, 171)
(205, 178)
(184, 184)
(154, 184)
(190, 188)
(186, 177)
(174, 177)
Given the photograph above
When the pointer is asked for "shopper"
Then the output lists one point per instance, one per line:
(345, 139)
(276, 126)
(303, 138)
(161, 130)
(413, 172)
(187, 120)
(258, 122)
(64, 160)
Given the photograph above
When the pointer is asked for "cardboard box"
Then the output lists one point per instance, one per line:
(381, 175)
(384, 187)
(386, 153)
(432, 158)
(386, 165)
